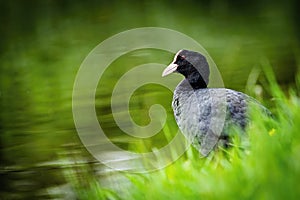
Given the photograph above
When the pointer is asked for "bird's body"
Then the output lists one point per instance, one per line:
(205, 115)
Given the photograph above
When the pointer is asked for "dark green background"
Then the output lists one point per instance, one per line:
(43, 43)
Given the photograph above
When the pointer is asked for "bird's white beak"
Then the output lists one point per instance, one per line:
(170, 69)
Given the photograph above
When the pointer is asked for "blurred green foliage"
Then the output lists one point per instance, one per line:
(42, 44)
(267, 170)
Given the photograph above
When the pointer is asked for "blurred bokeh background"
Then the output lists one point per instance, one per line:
(42, 44)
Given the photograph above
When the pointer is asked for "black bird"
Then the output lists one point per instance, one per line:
(205, 115)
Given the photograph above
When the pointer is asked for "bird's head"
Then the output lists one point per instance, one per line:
(192, 65)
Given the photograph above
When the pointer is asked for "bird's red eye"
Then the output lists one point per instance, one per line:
(183, 57)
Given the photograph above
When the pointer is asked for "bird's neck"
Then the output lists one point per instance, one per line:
(196, 81)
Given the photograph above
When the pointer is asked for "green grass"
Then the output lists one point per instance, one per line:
(269, 169)
(41, 53)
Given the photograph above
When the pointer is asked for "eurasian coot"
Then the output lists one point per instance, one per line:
(205, 115)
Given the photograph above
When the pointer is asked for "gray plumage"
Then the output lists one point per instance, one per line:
(205, 115)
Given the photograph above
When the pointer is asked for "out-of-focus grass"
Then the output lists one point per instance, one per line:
(270, 169)
(43, 44)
